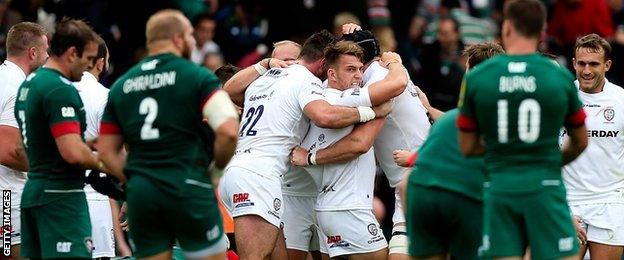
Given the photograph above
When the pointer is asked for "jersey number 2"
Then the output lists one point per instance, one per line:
(252, 114)
(528, 121)
(149, 107)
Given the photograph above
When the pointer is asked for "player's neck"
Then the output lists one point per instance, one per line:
(521, 46)
(56, 63)
(21, 62)
(162, 47)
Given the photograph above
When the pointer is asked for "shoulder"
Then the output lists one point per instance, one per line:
(614, 90)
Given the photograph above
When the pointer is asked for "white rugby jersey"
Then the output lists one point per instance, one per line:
(273, 122)
(11, 77)
(406, 126)
(597, 175)
(299, 182)
(347, 185)
(94, 97)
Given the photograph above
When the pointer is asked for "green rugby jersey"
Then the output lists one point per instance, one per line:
(518, 103)
(48, 106)
(156, 107)
(441, 164)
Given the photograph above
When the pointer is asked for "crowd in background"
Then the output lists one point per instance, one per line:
(430, 35)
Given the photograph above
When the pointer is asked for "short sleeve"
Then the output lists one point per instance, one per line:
(355, 97)
(63, 107)
(7, 117)
(575, 115)
(109, 124)
(310, 91)
(208, 84)
(466, 121)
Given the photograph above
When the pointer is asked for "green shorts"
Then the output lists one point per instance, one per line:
(59, 229)
(442, 221)
(540, 220)
(158, 219)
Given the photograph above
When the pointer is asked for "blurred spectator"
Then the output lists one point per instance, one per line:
(8, 18)
(573, 18)
(213, 61)
(242, 28)
(194, 8)
(472, 30)
(205, 26)
(443, 65)
(379, 17)
(343, 18)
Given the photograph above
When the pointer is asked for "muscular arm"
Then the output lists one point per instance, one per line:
(111, 151)
(327, 116)
(75, 151)
(470, 143)
(237, 85)
(434, 113)
(12, 152)
(226, 137)
(576, 144)
(358, 142)
(389, 87)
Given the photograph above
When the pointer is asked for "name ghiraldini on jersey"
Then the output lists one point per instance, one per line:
(512, 84)
(149, 81)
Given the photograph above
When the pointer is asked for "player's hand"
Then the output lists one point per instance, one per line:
(299, 156)
(349, 28)
(400, 157)
(390, 57)
(106, 184)
(581, 233)
(122, 214)
(274, 63)
(384, 109)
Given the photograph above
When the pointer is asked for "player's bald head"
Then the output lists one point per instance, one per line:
(164, 24)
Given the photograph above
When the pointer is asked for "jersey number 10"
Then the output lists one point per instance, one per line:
(528, 121)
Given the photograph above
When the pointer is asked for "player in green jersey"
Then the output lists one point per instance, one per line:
(157, 108)
(517, 103)
(444, 189)
(55, 218)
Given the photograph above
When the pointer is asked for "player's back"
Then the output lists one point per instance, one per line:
(521, 102)
(273, 122)
(406, 126)
(157, 106)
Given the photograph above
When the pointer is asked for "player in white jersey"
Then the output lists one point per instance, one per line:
(94, 97)
(406, 128)
(595, 180)
(278, 108)
(27, 46)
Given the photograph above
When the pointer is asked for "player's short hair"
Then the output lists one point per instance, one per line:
(71, 33)
(480, 52)
(102, 48)
(314, 47)
(594, 43)
(333, 52)
(284, 42)
(366, 40)
(527, 16)
(163, 25)
(225, 72)
(23, 36)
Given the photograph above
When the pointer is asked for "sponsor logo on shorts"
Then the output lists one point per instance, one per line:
(375, 239)
(89, 244)
(63, 247)
(277, 204)
(273, 213)
(566, 244)
(336, 241)
(241, 200)
(372, 229)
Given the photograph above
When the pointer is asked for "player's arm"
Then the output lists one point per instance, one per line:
(12, 153)
(75, 151)
(110, 147)
(393, 84)
(358, 142)
(223, 119)
(327, 116)
(239, 82)
(575, 126)
(434, 113)
(469, 138)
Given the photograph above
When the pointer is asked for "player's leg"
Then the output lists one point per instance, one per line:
(255, 237)
(605, 229)
(550, 230)
(299, 219)
(504, 236)
(255, 203)
(16, 194)
(102, 232)
(197, 219)
(428, 233)
(64, 225)
(465, 218)
(344, 230)
(30, 246)
(279, 250)
(398, 242)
